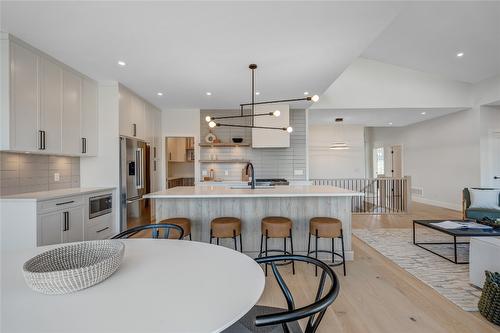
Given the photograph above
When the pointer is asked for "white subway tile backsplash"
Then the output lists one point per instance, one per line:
(268, 162)
(22, 173)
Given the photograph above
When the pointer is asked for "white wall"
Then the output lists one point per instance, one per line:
(441, 155)
(103, 170)
(325, 163)
(373, 84)
(183, 123)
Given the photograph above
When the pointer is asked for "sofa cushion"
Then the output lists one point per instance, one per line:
(484, 199)
(479, 214)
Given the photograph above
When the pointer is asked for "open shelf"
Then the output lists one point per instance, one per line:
(224, 161)
(224, 145)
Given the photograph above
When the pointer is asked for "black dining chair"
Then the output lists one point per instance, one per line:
(276, 320)
(155, 231)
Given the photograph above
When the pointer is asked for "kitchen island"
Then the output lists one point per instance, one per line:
(299, 203)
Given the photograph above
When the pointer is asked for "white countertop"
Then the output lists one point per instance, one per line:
(55, 194)
(276, 191)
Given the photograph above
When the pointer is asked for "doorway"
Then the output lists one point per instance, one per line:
(494, 154)
(180, 159)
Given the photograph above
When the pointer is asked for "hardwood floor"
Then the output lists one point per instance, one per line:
(377, 295)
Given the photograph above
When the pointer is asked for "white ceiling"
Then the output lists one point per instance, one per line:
(376, 117)
(185, 49)
(426, 36)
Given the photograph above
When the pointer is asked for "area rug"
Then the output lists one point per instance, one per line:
(448, 279)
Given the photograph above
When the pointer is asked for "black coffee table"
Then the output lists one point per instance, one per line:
(452, 232)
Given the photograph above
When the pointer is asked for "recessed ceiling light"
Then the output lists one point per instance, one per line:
(160, 94)
(460, 54)
(423, 113)
(257, 93)
(208, 93)
(121, 63)
(306, 92)
(390, 124)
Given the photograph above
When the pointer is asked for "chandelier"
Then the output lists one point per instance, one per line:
(214, 121)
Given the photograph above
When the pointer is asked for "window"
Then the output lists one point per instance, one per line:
(378, 159)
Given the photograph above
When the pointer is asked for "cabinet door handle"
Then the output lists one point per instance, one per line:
(134, 128)
(84, 145)
(154, 152)
(98, 231)
(44, 146)
(66, 221)
(64, 203)
(40, 140)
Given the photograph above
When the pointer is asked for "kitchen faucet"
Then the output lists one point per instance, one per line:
(249, 164)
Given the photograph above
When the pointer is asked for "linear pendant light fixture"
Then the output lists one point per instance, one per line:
(339, 144)
(213, 121)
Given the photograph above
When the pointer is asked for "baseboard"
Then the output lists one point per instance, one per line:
(438, 203)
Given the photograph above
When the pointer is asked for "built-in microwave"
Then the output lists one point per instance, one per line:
(100, 205)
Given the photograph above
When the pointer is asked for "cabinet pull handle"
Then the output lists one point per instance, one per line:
(66, 221)
(84, 145)
(98, 231)
(154, 152)
(64, 203)
(154, 165)
(44, 146)
(40, 139)
(134, 127)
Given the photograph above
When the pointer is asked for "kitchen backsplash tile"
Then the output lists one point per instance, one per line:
(23, 173)
(268, 162)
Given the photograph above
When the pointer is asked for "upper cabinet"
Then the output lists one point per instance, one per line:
(132, 114)
(46, 106)
(271, 138)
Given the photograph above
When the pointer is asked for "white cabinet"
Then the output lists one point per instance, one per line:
(24, 99)
(46, 106)
(132, 114)
(72, 85)
(61, 226)
(89, 123)
(50, 105)
(271, 138)
(50, 228)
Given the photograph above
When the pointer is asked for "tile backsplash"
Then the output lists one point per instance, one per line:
(23, 173)
(288, 163)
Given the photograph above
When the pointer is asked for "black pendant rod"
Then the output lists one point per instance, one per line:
(253, 67)
(308, 98)
(244, 116)
(250, 126)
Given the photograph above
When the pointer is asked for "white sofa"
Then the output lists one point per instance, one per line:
(484, 254)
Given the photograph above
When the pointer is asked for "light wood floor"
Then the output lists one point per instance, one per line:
(377, 295)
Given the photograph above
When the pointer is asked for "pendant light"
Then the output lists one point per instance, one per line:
(212, 121)
(339, 143)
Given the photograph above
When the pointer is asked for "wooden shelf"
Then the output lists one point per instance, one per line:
(224, 161)
(224, 145)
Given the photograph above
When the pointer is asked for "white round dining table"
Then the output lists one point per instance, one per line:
(161, 286)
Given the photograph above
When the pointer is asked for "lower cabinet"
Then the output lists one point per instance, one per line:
(62, 226)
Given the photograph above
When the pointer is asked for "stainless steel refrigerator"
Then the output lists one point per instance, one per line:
(134, 183)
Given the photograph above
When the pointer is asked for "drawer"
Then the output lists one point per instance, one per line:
(100, 227)
(59, 204)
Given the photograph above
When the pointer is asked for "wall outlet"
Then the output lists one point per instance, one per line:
(57, 176)
(298, 172)
(226, 172)
(204, 172)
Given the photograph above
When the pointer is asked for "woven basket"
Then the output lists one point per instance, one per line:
(489, 304)
(73, 267)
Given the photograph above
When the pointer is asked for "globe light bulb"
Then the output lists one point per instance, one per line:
(276, 113)
(315, 98)
(212, 124)
(208, 119)
(289, 129)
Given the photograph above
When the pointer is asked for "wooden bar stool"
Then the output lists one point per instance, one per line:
(277, 227)
(226, 227)
(326, 227)
(182, 222)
